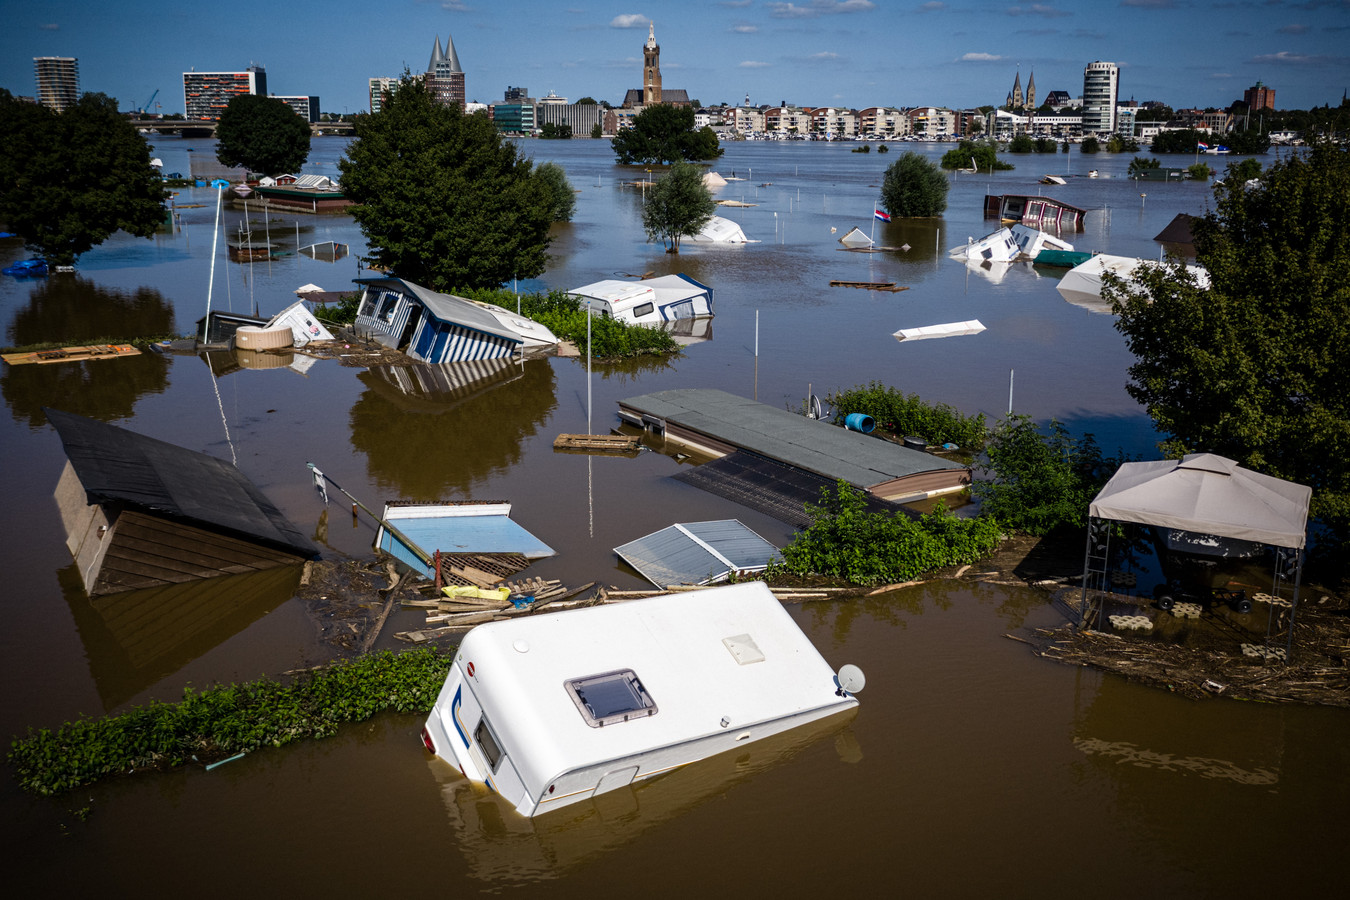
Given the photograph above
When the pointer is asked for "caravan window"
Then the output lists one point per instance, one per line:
(645, 309)
(611, 697)
(492, 751)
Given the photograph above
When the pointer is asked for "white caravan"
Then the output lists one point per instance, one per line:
(549, 710)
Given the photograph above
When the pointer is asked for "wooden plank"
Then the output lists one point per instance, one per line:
(71, 354)
(620, 442)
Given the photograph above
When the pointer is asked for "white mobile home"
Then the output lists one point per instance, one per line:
(650, 302)
(550, 710)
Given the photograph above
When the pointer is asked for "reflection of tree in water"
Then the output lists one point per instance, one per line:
(437, 446)
(920, 234)
(625, 371)
(104, 389)
(72, 311)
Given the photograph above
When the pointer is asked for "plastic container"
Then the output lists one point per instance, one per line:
(251, 337)
(860, 422)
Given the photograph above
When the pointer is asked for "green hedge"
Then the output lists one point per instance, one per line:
(846, 541)
(903, 415)
(219, 722)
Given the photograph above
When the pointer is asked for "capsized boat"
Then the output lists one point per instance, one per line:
(551, 710)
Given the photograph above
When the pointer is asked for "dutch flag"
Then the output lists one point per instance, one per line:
(1202, 146)
(883, 216)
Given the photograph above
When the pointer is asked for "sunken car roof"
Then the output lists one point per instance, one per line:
(116, 465)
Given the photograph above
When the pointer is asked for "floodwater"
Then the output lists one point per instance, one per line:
(971, 768)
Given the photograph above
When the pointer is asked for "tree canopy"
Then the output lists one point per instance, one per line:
(913, 187)
(677, 206)
(1254, 367)
(562, 200)
(442, 198)
(980, 155)
(69, 181)
(663, 134)
(263, 135)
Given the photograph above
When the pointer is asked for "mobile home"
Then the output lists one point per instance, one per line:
(550, 710)
(653, 301)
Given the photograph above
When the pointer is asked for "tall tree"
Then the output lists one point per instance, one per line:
(662, 134)
(442, 198)
(1254, 367)
(562, 199)
(913, 187)
(69, 181)
(262, 134)
(678, 205)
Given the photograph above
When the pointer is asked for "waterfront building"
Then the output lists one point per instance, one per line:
(931, 122)
(206, 94)
(1058, 99)
(1258, 96)
(745, 119)
(652, 90)
(379, 86)
(514, 116)
(306, 108)
(884, 121)
(58, 81)
(1101, 90)
(581, 117)
(445, 76)
(834, 122)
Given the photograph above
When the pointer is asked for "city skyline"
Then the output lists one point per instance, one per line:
(850, 53)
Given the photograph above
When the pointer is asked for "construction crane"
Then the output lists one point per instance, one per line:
(149, 103)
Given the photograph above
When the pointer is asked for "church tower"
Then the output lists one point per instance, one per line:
(1031, 91)
(1017, 92)
(651, 69)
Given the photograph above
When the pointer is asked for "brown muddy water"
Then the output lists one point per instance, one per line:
(972, 768)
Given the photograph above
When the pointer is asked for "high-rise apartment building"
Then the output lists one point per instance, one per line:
(1259, 97)
(58, 81)
(306, 108)
(1101, 88)
(445, 77)
(380, 86)
(206, 94)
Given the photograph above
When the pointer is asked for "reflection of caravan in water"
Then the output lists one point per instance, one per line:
(553, 709)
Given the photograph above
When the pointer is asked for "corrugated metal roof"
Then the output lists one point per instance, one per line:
(697, 553)
(114, 464)
(810, 444)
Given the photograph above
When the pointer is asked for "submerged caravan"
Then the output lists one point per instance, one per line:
(551, 710)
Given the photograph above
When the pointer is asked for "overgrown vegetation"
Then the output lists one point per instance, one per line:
(1141, 164)
(611, 339)
(220, 722)
(979, 155)
(913, 187)
(1040, 481)
(560, 196)
(900, 414)
(662, 134)
(680, 206)
(866, 548)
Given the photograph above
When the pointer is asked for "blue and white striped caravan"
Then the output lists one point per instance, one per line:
(434, 327)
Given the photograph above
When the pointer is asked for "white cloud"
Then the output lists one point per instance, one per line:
(51, 26)
(1293, 29)
(981, 57)
(1284, 56)
(630, 20)
(1038, 9)
(823, 55)
(932, 6)
(818, 8)
(752, 64)
(455, 5)
(745, 29)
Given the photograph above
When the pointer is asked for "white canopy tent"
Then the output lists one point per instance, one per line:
(1206, 494)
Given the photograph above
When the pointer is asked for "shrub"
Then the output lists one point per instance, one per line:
(610, 338)
(913, 187)
(901, 415)
(221, 721)
(846, 541)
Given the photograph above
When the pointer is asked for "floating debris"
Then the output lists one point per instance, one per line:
(1131, 623)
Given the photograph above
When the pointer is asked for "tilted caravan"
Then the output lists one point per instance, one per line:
(652, 301)
(550, 710)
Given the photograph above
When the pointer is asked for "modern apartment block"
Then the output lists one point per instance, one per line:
(206, 94)
(1101, 88)
(445, 77)
(380, 86)
(306, 108)
(58, 81)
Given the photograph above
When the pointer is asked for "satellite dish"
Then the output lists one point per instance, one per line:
(850, 679)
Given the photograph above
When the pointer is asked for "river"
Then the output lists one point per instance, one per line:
(971, 768)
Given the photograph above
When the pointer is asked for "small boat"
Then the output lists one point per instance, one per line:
(551, 710)
(1053, 179)
(26, 268)
(1092, 173)
(1082, 285)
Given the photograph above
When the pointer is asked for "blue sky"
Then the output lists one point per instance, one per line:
(857, 53)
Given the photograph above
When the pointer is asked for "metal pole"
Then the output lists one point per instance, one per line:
(403, 538)
(588, 369)
(215, 236)
(1010, 390)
